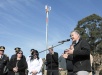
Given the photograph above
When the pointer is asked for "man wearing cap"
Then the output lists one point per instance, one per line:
(16, 50)
(3, 61)
(52, 62)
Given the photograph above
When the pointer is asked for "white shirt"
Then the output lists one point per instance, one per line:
(1, 56)
(34, 65)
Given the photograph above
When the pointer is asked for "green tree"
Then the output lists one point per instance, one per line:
(90, 29)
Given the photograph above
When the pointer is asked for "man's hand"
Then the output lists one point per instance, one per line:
(15, 69)
(52, 52)
(70, 51)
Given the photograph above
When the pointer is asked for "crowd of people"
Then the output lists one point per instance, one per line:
(74, 61)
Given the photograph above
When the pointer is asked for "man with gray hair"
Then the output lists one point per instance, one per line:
(81, 54)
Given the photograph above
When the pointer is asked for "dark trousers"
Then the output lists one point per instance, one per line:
(52, 72)
(71, 73)
(1, 72)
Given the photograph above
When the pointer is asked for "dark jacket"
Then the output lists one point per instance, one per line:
(81, 56)
(52, 61)
(69, 62)
(22, 65)
(3, 63)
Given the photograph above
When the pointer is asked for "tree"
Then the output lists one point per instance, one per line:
(91, 29)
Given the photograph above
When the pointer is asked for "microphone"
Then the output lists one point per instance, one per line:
(64, 41)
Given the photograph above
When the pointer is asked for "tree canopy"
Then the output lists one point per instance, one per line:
(90, 29)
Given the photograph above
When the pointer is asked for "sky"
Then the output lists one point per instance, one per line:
(23, 23)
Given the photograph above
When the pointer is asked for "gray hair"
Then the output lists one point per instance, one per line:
(76, 31)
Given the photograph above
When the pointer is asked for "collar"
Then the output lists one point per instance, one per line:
(1, 56)
(78, 40)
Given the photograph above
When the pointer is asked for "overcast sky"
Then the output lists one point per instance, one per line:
(23, 23)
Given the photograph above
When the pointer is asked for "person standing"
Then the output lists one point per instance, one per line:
(52, 62)
(34, 64)
(3, 61)
(16, 50)
(81, 54)
(69, 62)
(62, 64)
(17, 65)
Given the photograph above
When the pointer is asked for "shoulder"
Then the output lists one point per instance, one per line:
(60, 57)
(6, 55)
(13, 55)
(40, 59)
(48, 54)
(83, 40)
(24, 56)
(55, 53)
(27, 58)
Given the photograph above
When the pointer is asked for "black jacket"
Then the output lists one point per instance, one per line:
(3, 63)
(69, 62)
(22, 65)
(52, 61)
(81, 56)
